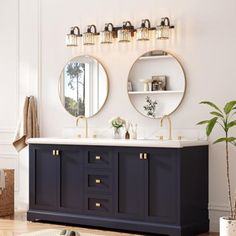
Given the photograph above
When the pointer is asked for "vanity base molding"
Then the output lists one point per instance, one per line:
(140, 189)
(118, 224)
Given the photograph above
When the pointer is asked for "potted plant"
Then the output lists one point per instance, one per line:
(117, 123)
(224, 119)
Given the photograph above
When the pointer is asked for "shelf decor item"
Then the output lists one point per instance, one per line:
(150, 107)
(117, 123)
(146, 84)
(129, 86)
(225, 119)
(159, 82)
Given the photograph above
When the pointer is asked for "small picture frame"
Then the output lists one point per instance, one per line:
(159, 82)
(129, 86)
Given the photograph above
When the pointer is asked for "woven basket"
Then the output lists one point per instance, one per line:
(7, 195)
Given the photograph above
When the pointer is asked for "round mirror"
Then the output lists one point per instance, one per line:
(83, 86)
(156, 84)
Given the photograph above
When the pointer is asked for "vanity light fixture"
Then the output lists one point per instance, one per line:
(143, 32)
(107, 35)
(89, 35)
(72, 37)
(163, 30)
(126, 32)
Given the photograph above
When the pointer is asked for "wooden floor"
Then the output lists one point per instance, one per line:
(17, 224)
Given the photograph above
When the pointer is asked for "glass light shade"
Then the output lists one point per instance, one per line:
(124, 35)
(88, 38)
(142, 34)
(106, 36)
(163, 32)
(71, 40)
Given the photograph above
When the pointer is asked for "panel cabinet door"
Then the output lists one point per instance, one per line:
(43, 177)
(71, 179)
(162, 181)
(130, 184)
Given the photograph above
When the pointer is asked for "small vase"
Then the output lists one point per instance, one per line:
(227, 227)
(116, 133)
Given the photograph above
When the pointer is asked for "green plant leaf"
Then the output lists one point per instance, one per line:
(229, 107)
(212, 105)
(203, 122)
(231, 124)
(219, 140)
(229, 139)
(211, 125)
(215, 113)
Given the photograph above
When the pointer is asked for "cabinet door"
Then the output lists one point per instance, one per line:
(71, 179)
(162, 185)
(43, 177)
(130, 184)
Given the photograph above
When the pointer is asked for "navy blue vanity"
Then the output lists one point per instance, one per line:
(158, 190)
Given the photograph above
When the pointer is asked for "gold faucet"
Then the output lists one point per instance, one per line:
(86, 124)
(170, 126)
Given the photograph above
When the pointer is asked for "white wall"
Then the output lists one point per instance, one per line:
(204, 41)
(9, 85)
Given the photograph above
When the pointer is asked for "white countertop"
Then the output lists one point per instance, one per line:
(119, 142)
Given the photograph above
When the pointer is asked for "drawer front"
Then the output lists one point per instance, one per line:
(99, 159)
(98, 204)
(98, 182)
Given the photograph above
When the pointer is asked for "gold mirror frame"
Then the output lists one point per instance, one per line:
(107, 81)
(184, 91)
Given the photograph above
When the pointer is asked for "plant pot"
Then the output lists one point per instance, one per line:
(227, 226)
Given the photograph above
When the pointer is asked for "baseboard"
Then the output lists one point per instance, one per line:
(215, 212)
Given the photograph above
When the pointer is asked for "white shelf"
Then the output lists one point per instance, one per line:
(156, 57)
(155, 92)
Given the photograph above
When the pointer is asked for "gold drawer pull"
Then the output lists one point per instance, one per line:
(98, 181)
(141, 156)
(98, 158)
(145, 156)
(98, 204)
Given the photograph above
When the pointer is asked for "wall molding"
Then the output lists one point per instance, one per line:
(39, 74)
(7, 130)
(8, 155)
(218, 207)
(14, 158)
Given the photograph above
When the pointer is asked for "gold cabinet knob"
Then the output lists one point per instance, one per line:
(145, 156)
(97, 204)
(98, 181)
(98, 158)
(57, 152)
(141, 156)
(53, 152)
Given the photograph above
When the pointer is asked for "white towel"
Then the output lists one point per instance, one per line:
(2, 181)
(28, 124)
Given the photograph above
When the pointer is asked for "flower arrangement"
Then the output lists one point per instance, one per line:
(117, 122)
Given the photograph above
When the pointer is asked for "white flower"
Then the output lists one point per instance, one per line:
(117, 122)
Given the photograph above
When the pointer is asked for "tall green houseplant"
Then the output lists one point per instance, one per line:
(224, 119)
